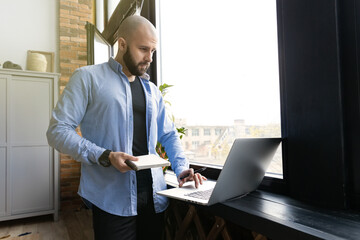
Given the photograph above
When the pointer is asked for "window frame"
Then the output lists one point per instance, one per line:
(303, 49)
(272, 184)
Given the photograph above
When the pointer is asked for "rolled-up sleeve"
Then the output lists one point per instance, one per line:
(67, 116)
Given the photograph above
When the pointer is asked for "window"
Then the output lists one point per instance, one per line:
(207, 132)
(211, 52)
(195, 132)
(195, 144)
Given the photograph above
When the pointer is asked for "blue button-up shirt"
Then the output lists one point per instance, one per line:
(98, 98)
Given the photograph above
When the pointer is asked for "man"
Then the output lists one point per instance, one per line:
(122, 115)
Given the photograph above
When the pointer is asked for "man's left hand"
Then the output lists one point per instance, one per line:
(189, 175)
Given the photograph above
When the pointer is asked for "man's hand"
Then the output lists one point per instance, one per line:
(188, 175)
(118, 159)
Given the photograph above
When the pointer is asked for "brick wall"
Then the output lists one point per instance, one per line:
(72, 45)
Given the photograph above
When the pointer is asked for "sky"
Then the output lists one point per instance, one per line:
(222, 58)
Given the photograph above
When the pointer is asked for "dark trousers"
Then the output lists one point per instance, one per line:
(146, 225)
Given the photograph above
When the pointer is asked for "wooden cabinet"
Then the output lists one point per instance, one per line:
(29, 167)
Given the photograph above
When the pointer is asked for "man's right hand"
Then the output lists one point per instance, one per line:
(118, 159)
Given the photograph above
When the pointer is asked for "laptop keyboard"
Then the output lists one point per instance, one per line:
(201, 194)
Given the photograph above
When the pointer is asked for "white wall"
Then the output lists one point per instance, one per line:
(28, 25)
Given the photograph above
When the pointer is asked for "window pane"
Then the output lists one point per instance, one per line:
(222, 58)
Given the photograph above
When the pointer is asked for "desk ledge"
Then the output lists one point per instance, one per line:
(280, 217)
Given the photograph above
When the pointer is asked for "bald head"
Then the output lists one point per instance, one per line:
(136, 44)
(133, 24)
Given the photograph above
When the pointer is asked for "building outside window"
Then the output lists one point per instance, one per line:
(212, 56)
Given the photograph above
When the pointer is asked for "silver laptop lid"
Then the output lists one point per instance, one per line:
(244, 167)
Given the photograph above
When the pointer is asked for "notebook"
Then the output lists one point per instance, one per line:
(243, 171)
(147, 161)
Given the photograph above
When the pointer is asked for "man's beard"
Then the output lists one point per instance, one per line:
(132, 66)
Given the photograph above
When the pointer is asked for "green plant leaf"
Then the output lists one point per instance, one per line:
(164, 88)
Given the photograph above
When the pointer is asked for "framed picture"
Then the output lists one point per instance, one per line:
(50, 56)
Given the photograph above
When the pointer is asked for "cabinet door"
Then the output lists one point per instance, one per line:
(31, 167)
(30, 106)
(3, 141)
(31, 183)
(3, 181)
(3, 101)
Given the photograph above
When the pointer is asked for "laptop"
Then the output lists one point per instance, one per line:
(243, 171)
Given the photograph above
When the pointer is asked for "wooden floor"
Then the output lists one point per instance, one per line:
(72, 225)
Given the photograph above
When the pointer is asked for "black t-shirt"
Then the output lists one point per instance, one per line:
(140, 146)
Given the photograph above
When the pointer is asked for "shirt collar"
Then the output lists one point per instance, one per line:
(117, 67)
